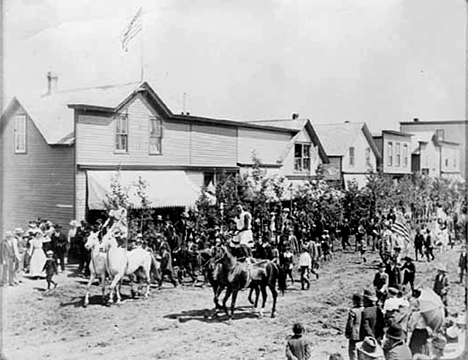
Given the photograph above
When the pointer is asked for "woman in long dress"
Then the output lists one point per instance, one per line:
(38, 258)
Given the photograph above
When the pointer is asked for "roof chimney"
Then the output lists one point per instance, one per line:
(415, 119)
(346, 122)
(52, 80)
(295, 116)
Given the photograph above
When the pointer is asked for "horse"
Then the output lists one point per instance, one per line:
(234, 276)
(186, 263)
(120, 263)
(97, 265)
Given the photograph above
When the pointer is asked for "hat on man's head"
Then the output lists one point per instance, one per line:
(19, 231)
(74, 223)
(57, 226)
(50, 252)
(159, 217)
(370, 347)
(395, 331)
(286, 210)
(369, 295)
(393, 291)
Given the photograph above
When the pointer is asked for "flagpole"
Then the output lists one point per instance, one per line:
(142, 64)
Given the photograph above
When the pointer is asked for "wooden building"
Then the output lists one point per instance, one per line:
(395, 148)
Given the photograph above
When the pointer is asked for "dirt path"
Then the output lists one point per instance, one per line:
(172, 324)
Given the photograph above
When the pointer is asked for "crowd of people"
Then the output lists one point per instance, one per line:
(378, 325)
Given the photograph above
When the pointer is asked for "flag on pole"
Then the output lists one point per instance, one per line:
(400, 227)
(132, 29)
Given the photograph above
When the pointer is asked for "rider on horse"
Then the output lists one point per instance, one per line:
(243, 240)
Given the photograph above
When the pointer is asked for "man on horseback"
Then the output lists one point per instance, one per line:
(243, 240)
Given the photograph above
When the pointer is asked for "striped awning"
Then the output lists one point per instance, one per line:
(164, 188)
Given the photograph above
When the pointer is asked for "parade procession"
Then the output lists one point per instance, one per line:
(319, 211)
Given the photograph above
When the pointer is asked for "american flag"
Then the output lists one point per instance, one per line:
(400, 227)
(132, 29)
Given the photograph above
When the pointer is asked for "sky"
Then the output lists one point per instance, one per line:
(331, 61)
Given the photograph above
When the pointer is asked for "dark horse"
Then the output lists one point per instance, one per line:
(227, 272)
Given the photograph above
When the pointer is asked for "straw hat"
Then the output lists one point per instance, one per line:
(19, 231)
(50, 252)
(370, 347)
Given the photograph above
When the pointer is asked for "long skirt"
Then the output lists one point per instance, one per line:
(38, 260)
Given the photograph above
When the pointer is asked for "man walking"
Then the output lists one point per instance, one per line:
(59, 246)
(462, 263)
(345, 232)
(429, 246)
(418, 244)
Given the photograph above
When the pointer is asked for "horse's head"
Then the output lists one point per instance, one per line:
(108, 241)
(92, 241)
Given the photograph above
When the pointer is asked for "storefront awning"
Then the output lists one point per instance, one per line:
(164, 188)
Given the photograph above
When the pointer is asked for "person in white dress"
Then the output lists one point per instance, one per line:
(38, 257)
(244, 227)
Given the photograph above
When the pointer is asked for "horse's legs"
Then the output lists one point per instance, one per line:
(226, 297)
(274, 294)
(148, 281)
(113, 285)
(90, 282)
(233, 303)
(250, 295)
(117, 290)
(103, 287)
(264, 298)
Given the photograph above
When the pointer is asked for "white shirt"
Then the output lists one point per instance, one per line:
(305, 260)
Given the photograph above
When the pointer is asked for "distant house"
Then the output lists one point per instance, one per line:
(351, 150)
(61, 151)
(434, 157)
(395, 148)
(453, 131)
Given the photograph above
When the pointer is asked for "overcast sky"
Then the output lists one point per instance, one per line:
(378, 61)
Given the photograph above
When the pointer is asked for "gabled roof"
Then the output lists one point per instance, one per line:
(53, 114)
(338, 138)
(296, 125)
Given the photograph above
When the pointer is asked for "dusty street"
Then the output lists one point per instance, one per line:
(172, 323)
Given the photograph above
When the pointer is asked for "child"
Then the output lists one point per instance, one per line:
(326, 245)
(353, 326)
(305, 263)
(297, 347)
(50, 269)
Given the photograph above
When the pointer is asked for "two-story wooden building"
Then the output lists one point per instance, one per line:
(351, 150)
(61, 151)
(395, 148)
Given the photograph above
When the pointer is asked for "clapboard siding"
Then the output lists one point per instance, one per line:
(80, 193)
(35, 183)
(267, 145)
(96, 139)
(212, 145)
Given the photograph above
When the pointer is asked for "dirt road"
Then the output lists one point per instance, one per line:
(172, 324)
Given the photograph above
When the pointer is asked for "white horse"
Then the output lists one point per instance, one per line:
(121, 262)
(97, 265)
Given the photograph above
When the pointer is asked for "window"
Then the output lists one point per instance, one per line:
(446, 162)
(368, 163)
(20, 134)
(209, 177)
(405, 155)
(351, 156)
(440, 133)
(302, 157)
(155, 136)
(121, 133)
(398, 154)
(390, 154)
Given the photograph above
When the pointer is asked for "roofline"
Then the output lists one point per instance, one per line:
(261, 165)
(434, 122)
(449, 142)
(371, 142)
(394, 132)
(321, 150)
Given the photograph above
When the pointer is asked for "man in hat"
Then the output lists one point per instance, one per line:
(409, 271)
(418, 244)
(9, 260)
(429, 246)
(353, 325)
(59, 246)
(441, 283)
(462, 263)
(369, 349)
(297, 348)
(381, 283)
(372, 322)
(166, 265)
(394, 345)
(19, 247)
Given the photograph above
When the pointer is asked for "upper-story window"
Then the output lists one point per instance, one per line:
(121, 133)
(405, 155)
(398, 154)
(368, 162)
(446, 162)
(390, 154)
(302, 157)
(351, 156)
(440, 133)
(155, 136)
(20, 134)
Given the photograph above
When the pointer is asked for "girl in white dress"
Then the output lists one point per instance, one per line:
(38, 257)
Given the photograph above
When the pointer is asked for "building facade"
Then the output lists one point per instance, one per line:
(395, 148)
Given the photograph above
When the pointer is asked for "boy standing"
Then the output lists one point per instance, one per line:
(353, 326)
(297, 348)
(50, 269)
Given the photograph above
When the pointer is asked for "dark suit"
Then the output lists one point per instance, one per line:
(59, 246)
(372, 322)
